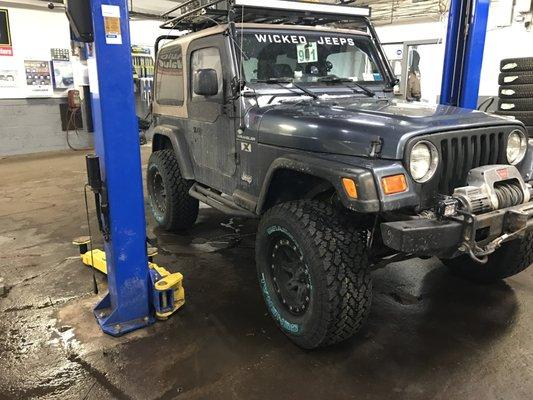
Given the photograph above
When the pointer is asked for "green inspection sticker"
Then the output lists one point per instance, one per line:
(307, 52)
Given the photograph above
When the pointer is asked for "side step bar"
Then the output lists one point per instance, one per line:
(218, 202)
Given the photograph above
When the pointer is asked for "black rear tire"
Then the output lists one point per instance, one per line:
(333, 284)
(517, 64)
(510, 259)
(168, 192)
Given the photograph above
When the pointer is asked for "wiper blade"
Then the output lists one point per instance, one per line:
(281, 81)
(336, 79)
(333, 79)
(274, 80)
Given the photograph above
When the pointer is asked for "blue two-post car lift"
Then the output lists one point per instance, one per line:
(139, 290)
(135, 295)
(463, 55)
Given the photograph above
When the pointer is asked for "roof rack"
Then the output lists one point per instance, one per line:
(196, 15)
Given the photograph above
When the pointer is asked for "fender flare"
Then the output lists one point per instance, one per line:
(330, 171)
(180, 147)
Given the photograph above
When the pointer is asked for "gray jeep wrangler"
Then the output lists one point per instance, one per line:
(297, 125)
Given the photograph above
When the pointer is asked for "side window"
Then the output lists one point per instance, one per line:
(169, 79)
(208, 57)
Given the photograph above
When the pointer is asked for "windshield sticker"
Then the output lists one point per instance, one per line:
(299, 39)
(307, 53)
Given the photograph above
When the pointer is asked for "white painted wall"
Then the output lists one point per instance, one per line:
(34, 33)
(145, 32)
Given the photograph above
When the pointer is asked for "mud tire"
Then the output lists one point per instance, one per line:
(335, 255)
(175, 210)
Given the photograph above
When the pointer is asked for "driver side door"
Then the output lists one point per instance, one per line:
(211, 130)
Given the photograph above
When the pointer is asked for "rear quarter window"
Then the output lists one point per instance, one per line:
(169, 77)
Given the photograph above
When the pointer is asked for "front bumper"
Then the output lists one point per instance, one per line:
(449, 238)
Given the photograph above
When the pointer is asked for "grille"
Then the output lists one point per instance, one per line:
(460, 153)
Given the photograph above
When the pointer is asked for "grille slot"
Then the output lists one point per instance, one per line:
(462, 153)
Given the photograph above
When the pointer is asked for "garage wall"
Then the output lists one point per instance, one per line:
(32, 123)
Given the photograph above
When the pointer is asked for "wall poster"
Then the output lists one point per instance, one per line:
(8, 78)
(6, 46)
(38, 76)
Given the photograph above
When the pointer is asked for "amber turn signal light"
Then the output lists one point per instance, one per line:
(394, 184)
(349, 187)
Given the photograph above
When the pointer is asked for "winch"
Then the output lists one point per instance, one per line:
(493, 187)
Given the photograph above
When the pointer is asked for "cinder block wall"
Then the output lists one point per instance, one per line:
(34, 125)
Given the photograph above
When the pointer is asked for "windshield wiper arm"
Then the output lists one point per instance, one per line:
(281, 81)
(306, 91)
(369, 92)
(336, 79)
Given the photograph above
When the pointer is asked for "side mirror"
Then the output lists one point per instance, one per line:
(205, 82)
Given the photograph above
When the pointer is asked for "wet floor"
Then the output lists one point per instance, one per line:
(429, 335)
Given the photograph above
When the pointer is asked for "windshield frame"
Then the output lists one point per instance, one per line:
(320, 87)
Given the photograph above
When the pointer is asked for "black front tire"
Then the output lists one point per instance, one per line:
(168, 192)
(510, 259)
(333, 272)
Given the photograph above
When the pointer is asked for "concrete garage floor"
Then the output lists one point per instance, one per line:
(429, 335)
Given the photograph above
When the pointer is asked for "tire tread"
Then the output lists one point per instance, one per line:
(343, 254)
(183, 208)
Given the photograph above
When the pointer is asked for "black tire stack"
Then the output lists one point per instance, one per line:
(516, 90)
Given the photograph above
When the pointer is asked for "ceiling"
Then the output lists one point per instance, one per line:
(153, 6)
(383, 11)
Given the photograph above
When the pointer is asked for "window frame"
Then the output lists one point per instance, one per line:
(180, 96)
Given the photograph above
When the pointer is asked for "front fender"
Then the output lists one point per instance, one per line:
(331, 171)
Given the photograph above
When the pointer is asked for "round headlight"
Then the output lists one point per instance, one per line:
(516, 147)
(423, 161)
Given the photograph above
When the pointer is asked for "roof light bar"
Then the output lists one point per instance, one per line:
(284, 5)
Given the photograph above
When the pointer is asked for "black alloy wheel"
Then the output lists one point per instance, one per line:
(289, 274)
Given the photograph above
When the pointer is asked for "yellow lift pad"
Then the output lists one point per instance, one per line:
(168, 291)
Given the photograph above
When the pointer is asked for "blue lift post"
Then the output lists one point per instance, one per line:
(463, 55)
(127, 305)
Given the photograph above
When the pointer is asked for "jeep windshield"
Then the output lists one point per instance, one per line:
(309, 58)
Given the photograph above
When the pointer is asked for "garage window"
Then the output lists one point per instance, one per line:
(169, 80)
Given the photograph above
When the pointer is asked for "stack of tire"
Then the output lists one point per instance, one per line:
(516, 90)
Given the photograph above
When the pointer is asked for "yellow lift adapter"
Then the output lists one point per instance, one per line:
(168, 293)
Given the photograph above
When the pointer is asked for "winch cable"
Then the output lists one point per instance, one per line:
(509, 194)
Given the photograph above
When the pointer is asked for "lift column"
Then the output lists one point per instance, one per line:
(127, 305)
(463, 55)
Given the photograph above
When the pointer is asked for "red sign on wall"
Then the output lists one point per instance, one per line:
(6, 46)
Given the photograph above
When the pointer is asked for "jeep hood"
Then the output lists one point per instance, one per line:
(349, 126)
